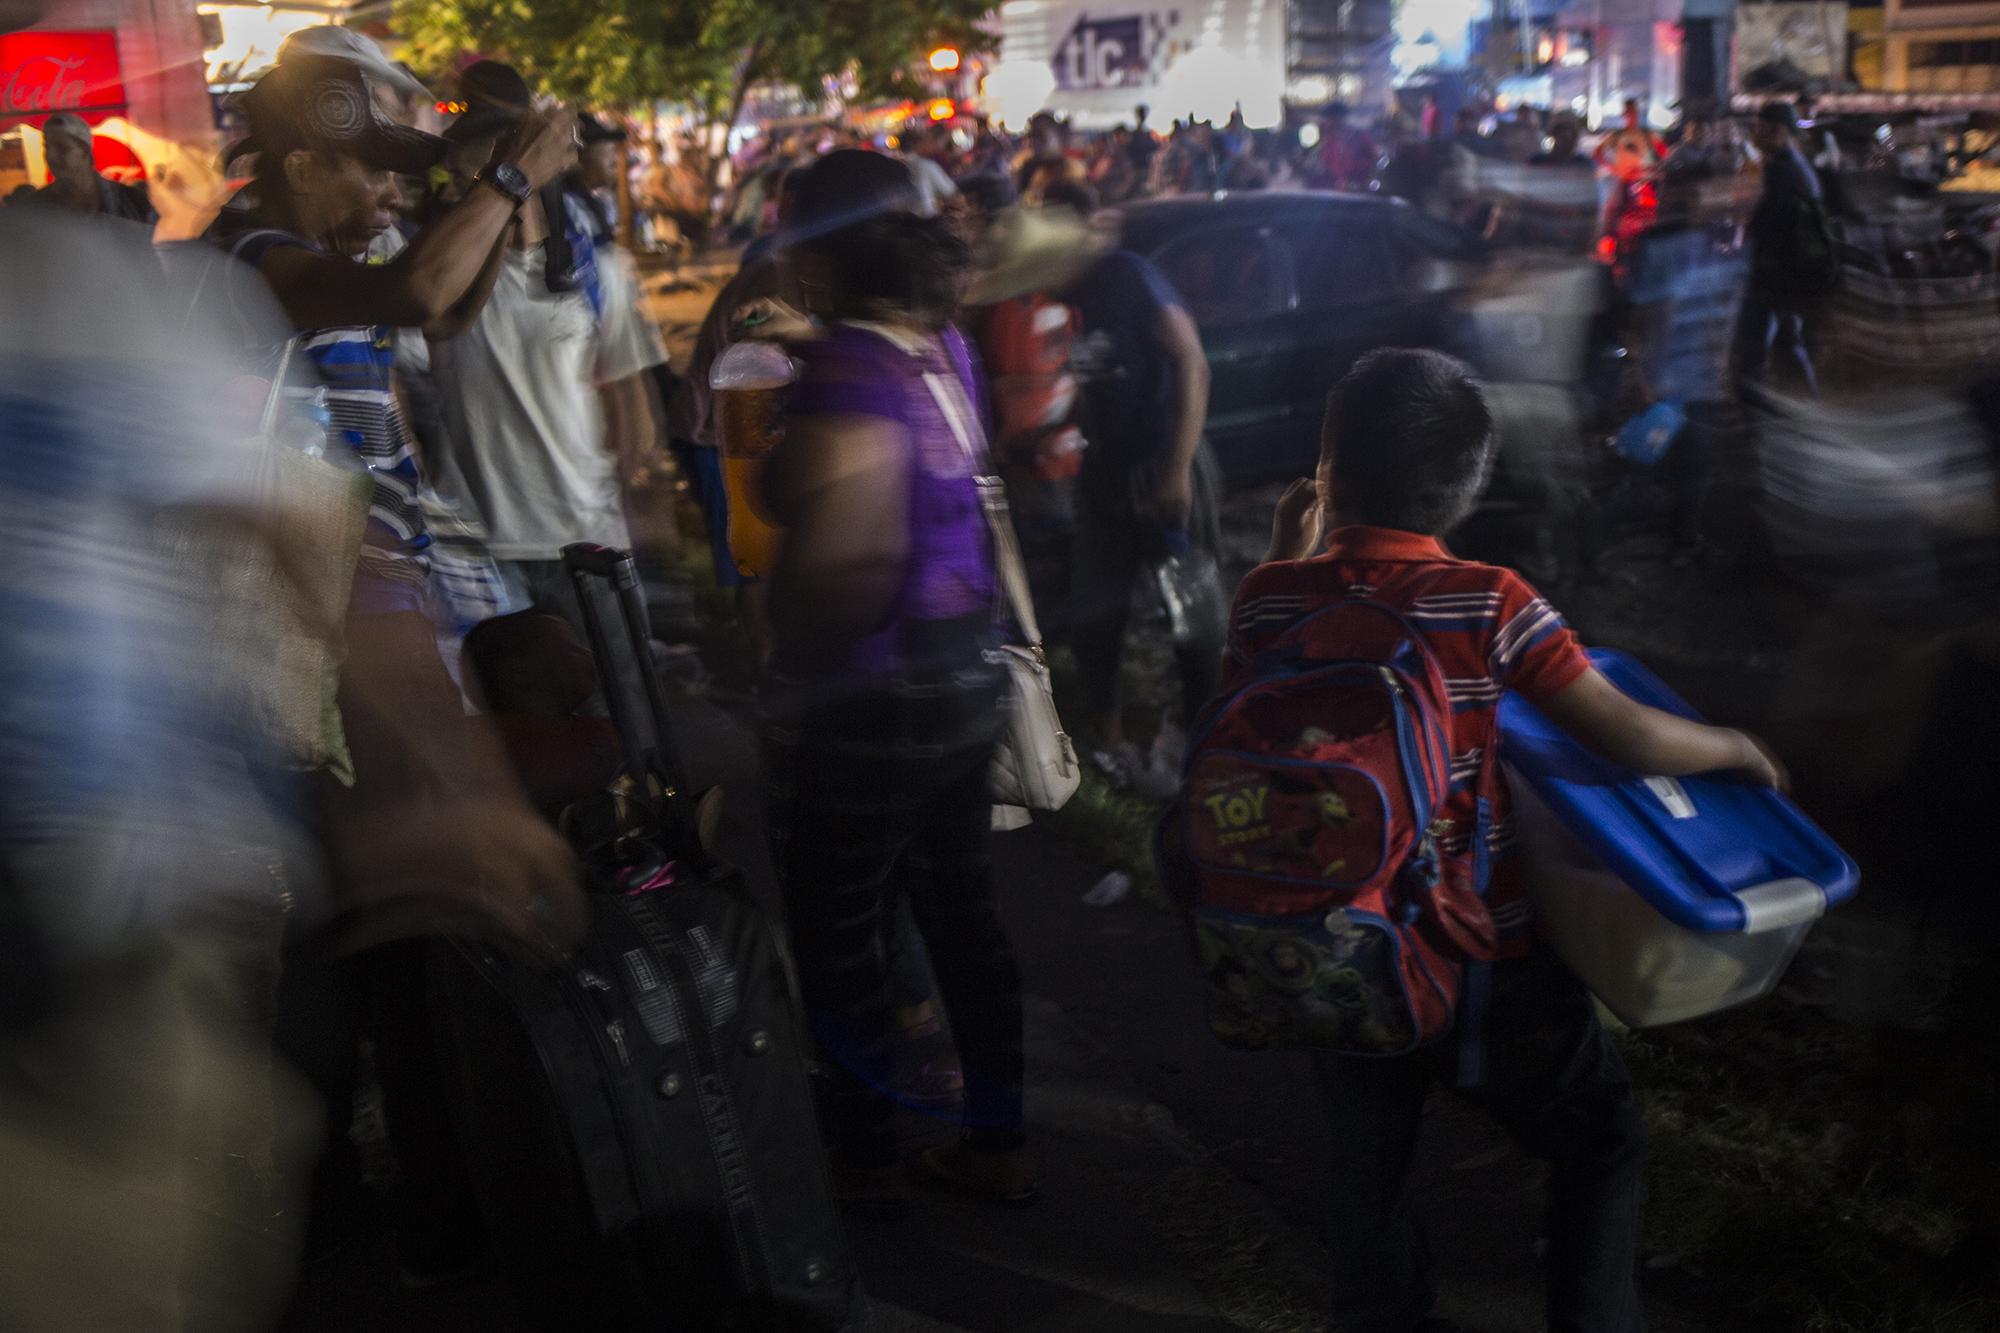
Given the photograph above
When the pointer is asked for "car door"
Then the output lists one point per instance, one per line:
(1235, 281)
(1352, 296)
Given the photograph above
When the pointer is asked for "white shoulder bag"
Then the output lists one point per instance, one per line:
(1035, 766)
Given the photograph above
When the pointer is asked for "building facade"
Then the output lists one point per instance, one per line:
(1588, 56)
(1940, 46)
(1095, 61)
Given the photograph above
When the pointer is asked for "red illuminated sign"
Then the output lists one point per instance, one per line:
(116, 160)
(45, 72)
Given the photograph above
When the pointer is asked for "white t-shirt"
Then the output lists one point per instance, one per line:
(631, 343)
(520, 390)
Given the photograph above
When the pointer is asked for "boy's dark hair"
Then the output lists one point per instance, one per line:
(1408, 441)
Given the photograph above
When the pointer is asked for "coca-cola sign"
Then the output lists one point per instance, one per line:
(45, 72)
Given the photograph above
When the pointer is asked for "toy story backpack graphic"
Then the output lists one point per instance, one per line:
(1322, 912)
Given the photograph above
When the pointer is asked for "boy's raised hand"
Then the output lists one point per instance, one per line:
(1295, 524)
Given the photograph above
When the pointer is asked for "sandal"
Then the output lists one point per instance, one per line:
(938, 1079)
(939, 1082)
(1009, 1177)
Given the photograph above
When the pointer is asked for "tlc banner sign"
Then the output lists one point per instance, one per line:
(1103, 53)
(45, 72)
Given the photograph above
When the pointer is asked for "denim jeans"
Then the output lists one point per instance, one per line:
(702, 466)
(1556, 1085)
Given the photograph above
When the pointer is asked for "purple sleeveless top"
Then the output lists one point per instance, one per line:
(855, 371)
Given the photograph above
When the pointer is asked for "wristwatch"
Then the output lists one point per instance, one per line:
(507, 178)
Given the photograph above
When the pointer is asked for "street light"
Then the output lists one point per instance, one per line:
(944, 60)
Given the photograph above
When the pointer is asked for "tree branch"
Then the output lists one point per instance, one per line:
(746, 74)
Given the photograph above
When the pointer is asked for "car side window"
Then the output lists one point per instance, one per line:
(1345, 261)
(1225, 275)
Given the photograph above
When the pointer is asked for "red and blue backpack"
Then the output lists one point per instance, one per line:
(1305, 846)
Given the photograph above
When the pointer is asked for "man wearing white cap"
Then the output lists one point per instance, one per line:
(359, 50)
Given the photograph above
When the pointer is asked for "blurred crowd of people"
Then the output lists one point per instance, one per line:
(242, 776)
(305, 684)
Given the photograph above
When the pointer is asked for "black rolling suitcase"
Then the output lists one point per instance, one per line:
(639, 1122)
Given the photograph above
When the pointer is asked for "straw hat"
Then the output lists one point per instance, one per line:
(1036, 250)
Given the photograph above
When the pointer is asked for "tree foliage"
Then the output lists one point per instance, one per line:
(702, 52)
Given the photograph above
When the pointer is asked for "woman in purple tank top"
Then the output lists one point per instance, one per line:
(884, 704)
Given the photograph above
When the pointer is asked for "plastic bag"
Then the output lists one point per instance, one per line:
(1647, 437)
(1191, 590)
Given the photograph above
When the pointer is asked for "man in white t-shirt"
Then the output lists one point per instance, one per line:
(536, 388)
(592, 194)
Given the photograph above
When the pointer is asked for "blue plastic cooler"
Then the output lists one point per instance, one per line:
(1670, 897)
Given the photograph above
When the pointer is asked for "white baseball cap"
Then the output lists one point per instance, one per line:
(329, 39)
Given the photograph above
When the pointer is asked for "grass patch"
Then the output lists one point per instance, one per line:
(1744, 1185)
(1112, 829)
(1103, 825)
(1258, 1277)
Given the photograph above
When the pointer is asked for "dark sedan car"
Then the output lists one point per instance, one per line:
(1288, 291)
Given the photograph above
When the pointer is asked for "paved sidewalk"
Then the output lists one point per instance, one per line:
(679, 301)
(1085, 1256)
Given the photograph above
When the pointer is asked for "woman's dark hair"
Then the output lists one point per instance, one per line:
(855, 213)
(893, 264)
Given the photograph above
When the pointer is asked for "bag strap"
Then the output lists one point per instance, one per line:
(952, 396)
(1008, 565)
(274, 393)
(273, 396)
(1007, 561)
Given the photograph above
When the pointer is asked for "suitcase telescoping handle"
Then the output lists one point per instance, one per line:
(601, 562)
(585, 562)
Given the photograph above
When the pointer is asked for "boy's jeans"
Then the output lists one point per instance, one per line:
(1556, 1085)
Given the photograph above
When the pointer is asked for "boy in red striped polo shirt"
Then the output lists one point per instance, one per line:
(1407, 449)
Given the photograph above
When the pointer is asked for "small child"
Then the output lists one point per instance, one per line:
(1406, 451)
